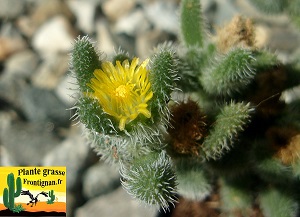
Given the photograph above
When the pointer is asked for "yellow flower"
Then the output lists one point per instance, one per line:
(123, 90)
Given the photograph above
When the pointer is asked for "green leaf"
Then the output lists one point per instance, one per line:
(230, 74)
(236, 196)
(84, 61)
(275, 203)
(229, 123)
(151, 179)
(191, 23)
(270, 6)
(162, 77)
(93, 117)
(194, 183)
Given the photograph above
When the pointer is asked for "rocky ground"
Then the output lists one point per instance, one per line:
(35, 87)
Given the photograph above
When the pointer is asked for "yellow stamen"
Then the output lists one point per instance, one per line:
(121, 91)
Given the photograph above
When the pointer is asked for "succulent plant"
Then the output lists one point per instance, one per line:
(197, 117)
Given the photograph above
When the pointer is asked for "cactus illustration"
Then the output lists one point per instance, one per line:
(9, 193)
(52, 197)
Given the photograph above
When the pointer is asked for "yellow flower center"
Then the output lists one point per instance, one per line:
(123, 90)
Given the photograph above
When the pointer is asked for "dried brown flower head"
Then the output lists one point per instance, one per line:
(266, 91)
(188, 127)
(238, 33)
(286, 143)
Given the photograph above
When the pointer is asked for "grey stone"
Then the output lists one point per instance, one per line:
(28, 143)
(5, 158)
(9, 46)
(116, 204)
(105, 41)
(115, 9)
(42, 105)
(41, 12)
(100, 179)
(225, 11)
(126, 42)
(162, 14)
(6, 118)
(11, 88)
(11, 8)
(71, 203)
(133, 23)
(85, 13)
(45, 10)
(11, 40)
(207, 5)
(284, 39)
(66, 90)
(26, 26)
(51, 71)
(22, 64)
(53, 37)
(72, 153)
(146, 42)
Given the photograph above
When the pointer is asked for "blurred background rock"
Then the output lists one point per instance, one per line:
(35, 87)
